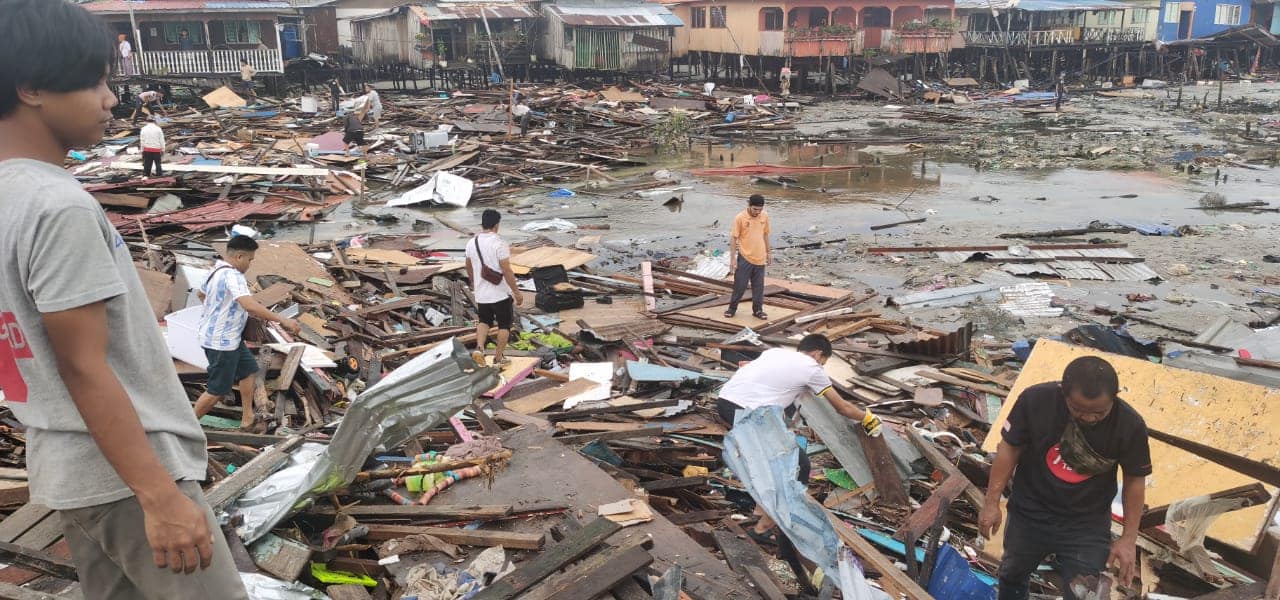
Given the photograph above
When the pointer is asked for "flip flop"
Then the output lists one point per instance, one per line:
(761, 315)
(728, 314)
(761, 538)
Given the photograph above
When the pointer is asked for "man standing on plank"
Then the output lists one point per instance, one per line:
(749, 254)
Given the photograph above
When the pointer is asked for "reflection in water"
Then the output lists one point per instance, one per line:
(885, 171)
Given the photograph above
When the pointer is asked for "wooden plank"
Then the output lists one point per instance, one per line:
(613, 435)
(276, 293)
(281, 557)
(350, 591)
(1248, 591)
(667, 587)
(673, 483)
(37, 560)
(646, 277)
(122, 200)
(940, 462)
(593, 576)
(891, 579)
(698, 516)
(14, 493)
(8, 591)
(550, 561)
(944, 378)
(461, 511)
(742, 556)
(22, 520)
(289, 370)
(540, 401)
(625, 408)
(890, 488)
(46, 533)
(252, 473)
(546, 256)
(1253, 494)
(522, 541)
(359, 566)
(256, 440)
(924, 518)
(229, 169)
(764, 583)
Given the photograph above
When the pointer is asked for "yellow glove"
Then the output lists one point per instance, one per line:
(871, 424)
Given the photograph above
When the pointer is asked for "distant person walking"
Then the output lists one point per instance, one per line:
(749, 254)
(152, 141)
(493, 284)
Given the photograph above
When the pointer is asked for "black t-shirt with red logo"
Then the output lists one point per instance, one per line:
(1043, 484)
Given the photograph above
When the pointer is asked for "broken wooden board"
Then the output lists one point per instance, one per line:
(278, 292)
(159, 288)
(283, 558)
(806, 289)
(14, 493)
(462, 537)
(290, 261)
(228, 169)
(613, 94)
(546, 398)
(223, 97)
(593, 576)
(529, 573)
(251, 473)
(1231, 415)
(601, 315)
(543, 469)
(742, 318)
(121, 200)
(547, 256)
(392, 257)
(512, 373)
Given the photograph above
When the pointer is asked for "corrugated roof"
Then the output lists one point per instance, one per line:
(451, 11)
(629, 15)
(1045, 5)
(122, 6)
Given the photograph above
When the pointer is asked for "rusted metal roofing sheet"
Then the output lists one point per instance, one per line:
(955, 343)
(459, 11)
(633, 15)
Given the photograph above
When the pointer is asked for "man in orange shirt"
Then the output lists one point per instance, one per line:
(749, 253)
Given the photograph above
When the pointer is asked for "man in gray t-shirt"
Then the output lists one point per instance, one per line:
(112, 441)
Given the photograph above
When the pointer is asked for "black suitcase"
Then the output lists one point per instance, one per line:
(548, 299)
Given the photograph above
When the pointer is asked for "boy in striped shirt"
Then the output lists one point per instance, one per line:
(227, 306)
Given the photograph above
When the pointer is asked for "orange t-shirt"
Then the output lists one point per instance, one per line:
(752, 233)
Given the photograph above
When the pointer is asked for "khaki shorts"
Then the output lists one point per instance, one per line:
(113, 559)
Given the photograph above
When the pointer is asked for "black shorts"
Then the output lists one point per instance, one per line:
(498, 313)
(727, 410)
(227, 367)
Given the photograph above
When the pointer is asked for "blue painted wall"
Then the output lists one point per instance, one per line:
(1202, 21)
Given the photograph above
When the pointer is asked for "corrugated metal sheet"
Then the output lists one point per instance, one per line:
(454, 12)
(632, 15)
(956, 296)
(1097, 254)
(955, 343)
(1262, 344)
(120, 6)
(1082, 269)
(1029, 300)
(1129, 272)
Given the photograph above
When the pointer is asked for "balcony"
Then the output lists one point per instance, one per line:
(1111, 35)
(918, 41)
(1020, 39)
(202, 62)
(837, 40)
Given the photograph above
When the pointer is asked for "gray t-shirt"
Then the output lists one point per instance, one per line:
(58, 251)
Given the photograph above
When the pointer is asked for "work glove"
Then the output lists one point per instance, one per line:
(871, 425)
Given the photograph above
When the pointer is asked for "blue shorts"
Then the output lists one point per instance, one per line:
(227, 367)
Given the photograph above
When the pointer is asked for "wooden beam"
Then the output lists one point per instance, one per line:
(419, 511)
(593, 576)
(1258, 470)
(673, 483)
(550, 561)
(235, 170)
(944, 378)
(38, 560)
(940, 462)
(1254, 494)
(924, 518)
(522, 541)
(892, 580)
(291, 363)
(612, 435)
(890, 488)
(251, 474)
(700, 516)
(589, 412)
(540, 401)
(743, 556)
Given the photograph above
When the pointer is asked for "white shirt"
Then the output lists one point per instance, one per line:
(125, 49)
(493, 249)
(149, 96)
(519, 110)
(223, 320)
(779, 377)
(152, 137)
(374, 102)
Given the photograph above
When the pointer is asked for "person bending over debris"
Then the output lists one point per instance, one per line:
(353, 129)
(151, 139)
(227, 306)
(1067, 440)
(373, 104)
(780, 377)
(112, 443)
(149, 100)
(494, 288)
(749, 253)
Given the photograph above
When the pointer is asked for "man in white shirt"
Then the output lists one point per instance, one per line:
(782, 377)
(149, 100)
(373, 104)
(126, 55)
(493, 284)
(152, 141)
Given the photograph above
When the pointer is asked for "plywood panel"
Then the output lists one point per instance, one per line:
(1234, 416)
(743, 317)
(549, 255)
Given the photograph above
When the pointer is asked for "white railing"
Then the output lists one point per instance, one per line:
(1050, 37)
(203, 62)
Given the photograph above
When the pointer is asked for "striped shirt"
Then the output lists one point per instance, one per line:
(223, 320)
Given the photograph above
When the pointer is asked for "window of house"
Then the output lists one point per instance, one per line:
(1227, 14)
(719, 17)
(194, 28)
(1140, 16)
(1107, 18)
(242, 32)
(1171, 12)
(698, 17)
(771, 19)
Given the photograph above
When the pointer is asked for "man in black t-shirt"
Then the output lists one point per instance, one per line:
(1068, 440)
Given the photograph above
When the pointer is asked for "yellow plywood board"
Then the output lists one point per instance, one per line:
(549, 255)
(742, 317)
(223, 97)
(1234, 416)
(375, 255)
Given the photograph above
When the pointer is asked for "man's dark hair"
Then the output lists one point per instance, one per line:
(242, 243)
(50, 45)
(815, 341)
(1091, 376)
(755, 200)
(490, 218)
